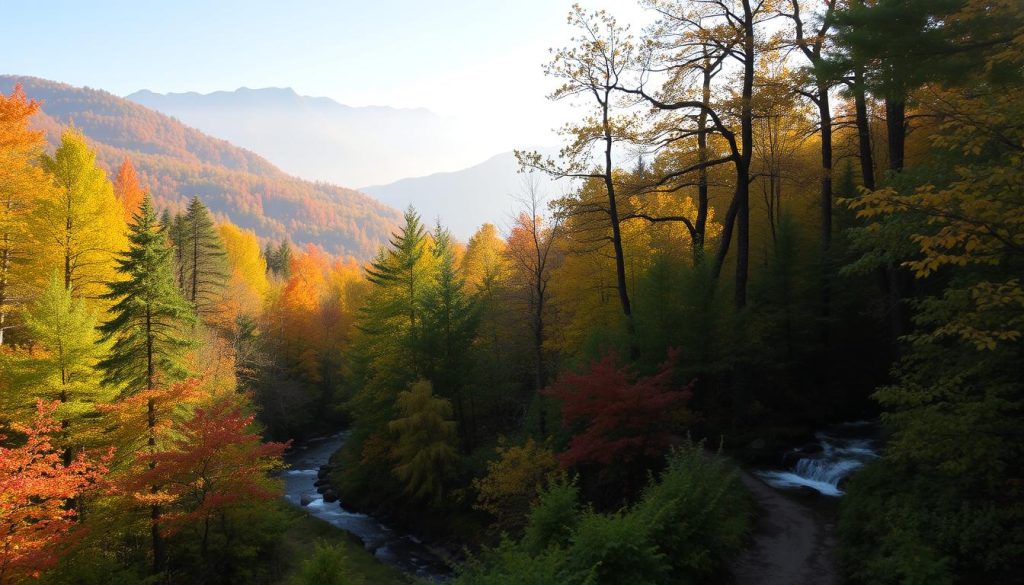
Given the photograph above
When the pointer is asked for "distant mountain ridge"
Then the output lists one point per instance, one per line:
(464, 200)
(176, 162)
(253, 96)
(315, 138)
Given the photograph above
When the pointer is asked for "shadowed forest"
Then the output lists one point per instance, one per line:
(775, 217)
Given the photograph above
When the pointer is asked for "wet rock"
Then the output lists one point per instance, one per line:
(320, 482)
(330, 496)
(305, 500)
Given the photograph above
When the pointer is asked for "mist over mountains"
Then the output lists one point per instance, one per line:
(317, 138)
(463, 200)
(398, 152)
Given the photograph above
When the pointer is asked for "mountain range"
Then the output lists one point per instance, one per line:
(319, 138)
(316, 138)
(176, 162)
(463, 200)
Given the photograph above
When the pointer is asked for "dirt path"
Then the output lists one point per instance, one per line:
(792, 543)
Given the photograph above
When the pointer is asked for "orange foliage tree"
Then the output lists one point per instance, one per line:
(35, 486)
(128, 190)
(19, 177)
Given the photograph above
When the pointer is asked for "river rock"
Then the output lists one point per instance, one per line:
(320, 482)
(330, 496)
(305, 500)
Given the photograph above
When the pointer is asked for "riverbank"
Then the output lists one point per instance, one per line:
(309, 488)
(305, 531)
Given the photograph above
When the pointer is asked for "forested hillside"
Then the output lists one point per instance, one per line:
(178, 162)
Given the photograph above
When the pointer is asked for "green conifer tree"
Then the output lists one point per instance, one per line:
(450, 322)
(204, 257)
(147, 329)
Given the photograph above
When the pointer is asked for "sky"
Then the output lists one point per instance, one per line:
(475, 62)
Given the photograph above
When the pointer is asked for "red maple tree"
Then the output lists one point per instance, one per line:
(624, 418)
(214, 460)
(35, 487)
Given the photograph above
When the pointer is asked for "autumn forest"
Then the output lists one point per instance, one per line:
(767, 327)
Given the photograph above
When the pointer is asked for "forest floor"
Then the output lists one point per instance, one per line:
(793, 542)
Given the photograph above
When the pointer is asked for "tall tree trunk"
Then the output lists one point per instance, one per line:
(613, 215)
(896, 125)
(867, 159)
(825, 114)
(154, 511)
(743, 178)
(700, 226)
(898, 279)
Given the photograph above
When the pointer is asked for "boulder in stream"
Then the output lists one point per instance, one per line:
(330, 496)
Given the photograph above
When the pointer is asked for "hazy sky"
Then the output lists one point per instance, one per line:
(476, 62)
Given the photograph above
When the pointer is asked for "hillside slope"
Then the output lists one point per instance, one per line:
(177, 162)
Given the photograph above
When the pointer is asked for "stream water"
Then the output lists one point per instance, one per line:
(825, 463)
(402, 551)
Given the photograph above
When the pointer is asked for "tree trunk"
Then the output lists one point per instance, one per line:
(154, 511)
(867, 159)
(743, 174)
(896, 125)
(700, 226)
(825, 114)
(613, 215)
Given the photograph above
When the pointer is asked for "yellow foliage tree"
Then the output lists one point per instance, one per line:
(513, 482)
(80, 224)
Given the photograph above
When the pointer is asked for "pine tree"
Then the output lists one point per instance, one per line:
(268, 257)
(149, 318)
(283, 259)
(205, 261)
(450, 322)
(402, 276)
(177, 238)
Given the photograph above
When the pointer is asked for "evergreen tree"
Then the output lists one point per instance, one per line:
(268, 257)
(450, 322)
(177, 237)
(205, 261)
(393, 318)
(282, 257)
(147, 329)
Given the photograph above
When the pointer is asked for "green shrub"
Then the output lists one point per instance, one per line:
(698, 513)
(685, 527)
(329, 565)
(555, 517)
(615, 548)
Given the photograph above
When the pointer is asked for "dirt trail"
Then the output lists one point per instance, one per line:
(792, 543)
